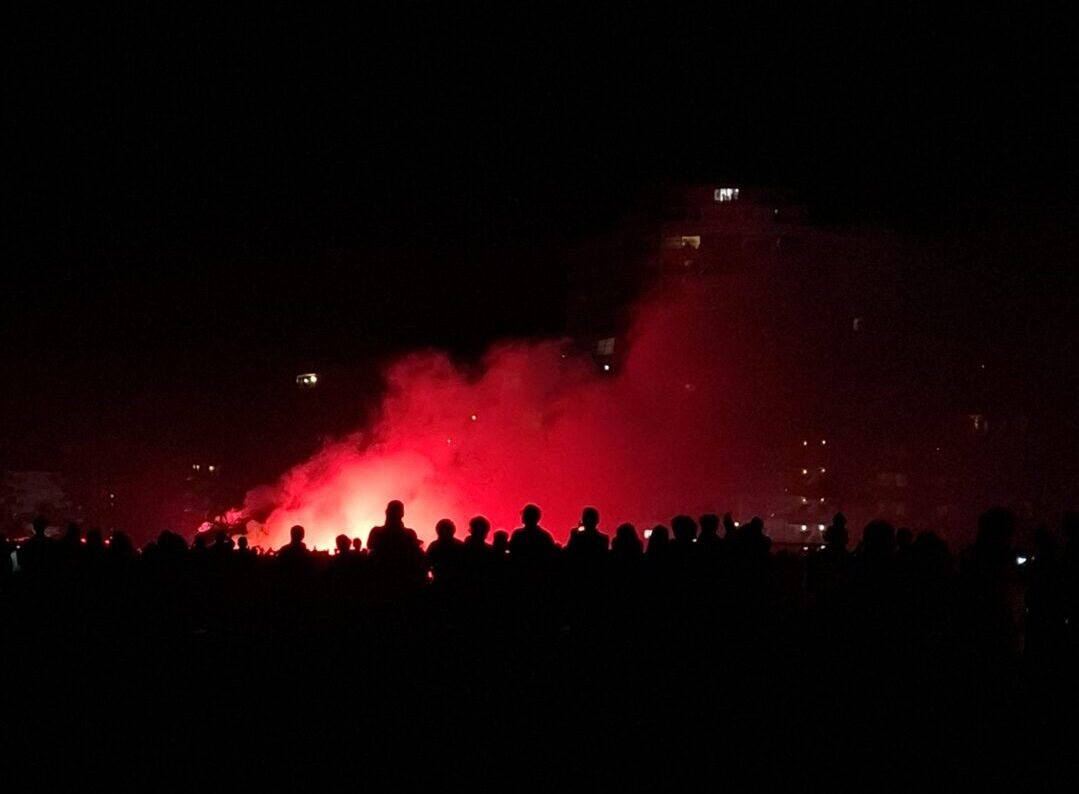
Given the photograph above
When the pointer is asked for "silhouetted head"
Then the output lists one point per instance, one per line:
(243, 542)
(626, 539)
(710, 525)
(878, 540)
(836, 535)
(343, 544)
(445, 529)
(296, 534)
(479, 527)
(357, 544)
(199, 543)
(590, 518)
(530, 515)
(95, 541)
(395, 513)
(501, 541)
(839, 520)
(40, 525)
(658, 539)
(120, 545)
(221, 539)
(755, 527)
(684, 529)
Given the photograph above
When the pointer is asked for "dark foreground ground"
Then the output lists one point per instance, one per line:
(633, 682)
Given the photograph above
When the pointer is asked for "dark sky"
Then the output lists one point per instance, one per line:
(197, 201)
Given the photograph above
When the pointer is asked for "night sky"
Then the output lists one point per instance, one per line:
(201, 204)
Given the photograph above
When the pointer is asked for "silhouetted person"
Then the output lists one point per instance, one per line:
(878, 546)
(708, 538)
(989, 579)
(293, 557)
(7, 548)
(904, 540)
(531, 546)
(587, 546)
(357, 545)
(445, 555)
(828, 570)
(500, 544)
(478, 554)
(684, 530)
(71, 542)
(1045, 619)
(95, 549)
(35, 555)
(394, 549)
(627, 550)
(659, 541)
(730, 529)
(1070, 574)
(627, 543)
(754, 544)
(345, 565)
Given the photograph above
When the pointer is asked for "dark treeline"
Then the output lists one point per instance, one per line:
(700, 652)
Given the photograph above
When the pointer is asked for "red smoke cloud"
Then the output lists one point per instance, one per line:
(664, 432)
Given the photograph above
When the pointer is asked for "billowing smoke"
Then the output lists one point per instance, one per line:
(667, 429)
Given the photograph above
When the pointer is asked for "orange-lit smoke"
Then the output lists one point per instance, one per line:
(661, 433)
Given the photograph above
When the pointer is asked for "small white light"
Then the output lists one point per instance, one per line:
(822, 499)
(210, 467)
(804, 500)
(820, 527)
(606, 367)
(449, 440)
(805, 471)
(1021, 560)
(823, 442)
(805, 443)
(647, 534)
(805, 528)
(473, 417)
(822, 470)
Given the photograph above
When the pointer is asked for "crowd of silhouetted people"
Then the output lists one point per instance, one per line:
(1009, 603)
(699, 634)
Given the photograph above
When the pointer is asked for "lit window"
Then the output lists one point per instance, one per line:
(605, 347)
(307, 380)
(725, 194)
(681, 241)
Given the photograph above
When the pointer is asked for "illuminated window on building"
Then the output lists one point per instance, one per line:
(681, 241)
(605, 347)
(725, 194)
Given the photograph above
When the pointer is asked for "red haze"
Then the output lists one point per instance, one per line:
(661, 433)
